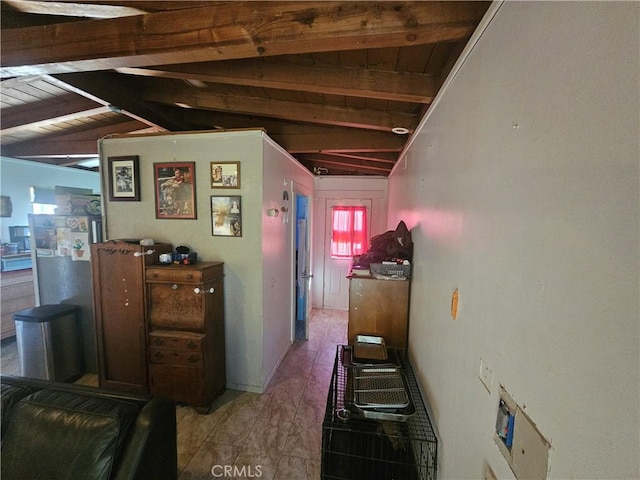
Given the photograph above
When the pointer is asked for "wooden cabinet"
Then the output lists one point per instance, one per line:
(379, 307)
(186, 332)
(118, 271)
(17, 294)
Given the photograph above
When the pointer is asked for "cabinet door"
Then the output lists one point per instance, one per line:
(17, 294)
(178, 382)
(119, 301)
(381, 308)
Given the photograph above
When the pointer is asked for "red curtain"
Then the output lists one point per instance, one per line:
(349, 232)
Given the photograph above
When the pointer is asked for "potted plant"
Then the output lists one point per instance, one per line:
(77, 246)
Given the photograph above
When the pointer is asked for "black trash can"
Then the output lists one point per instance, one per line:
(48, 342)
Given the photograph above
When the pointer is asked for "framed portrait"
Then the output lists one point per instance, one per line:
(175, 185)
(226, 216)
(225, 174)
(124, 179)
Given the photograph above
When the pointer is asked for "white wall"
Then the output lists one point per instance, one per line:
(242, 256)
(278, 261)
(521, 189)
(258, 267)
(18, 176)
(330, 188)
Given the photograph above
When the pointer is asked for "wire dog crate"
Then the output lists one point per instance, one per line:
(359, 448)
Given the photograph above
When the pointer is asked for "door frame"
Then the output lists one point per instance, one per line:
(298, 189)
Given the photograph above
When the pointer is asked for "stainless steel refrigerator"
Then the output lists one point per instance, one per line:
(61, 259)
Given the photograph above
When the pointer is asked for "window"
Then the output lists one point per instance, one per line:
(45, 208)
(349, 235)
(43, 200)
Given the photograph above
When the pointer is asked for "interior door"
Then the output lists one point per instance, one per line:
(304, 275)
(336, 285)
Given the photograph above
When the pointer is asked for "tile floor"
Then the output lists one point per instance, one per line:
(276, 435)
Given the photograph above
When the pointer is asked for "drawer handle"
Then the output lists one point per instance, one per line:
(189, 276)
(140, 254)
(191, 344)
(158, 341)
(174, 287)
(193, 358)
(158, 355)
(197, 290)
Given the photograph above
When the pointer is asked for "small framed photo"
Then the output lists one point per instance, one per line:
(226, 216)
(225, 174)
(124, 178)
(175, 185)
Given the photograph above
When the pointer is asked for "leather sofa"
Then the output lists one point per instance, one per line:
(57, 430)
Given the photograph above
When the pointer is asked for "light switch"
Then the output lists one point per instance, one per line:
(486, 375)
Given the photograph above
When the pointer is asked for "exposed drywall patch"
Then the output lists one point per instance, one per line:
(489, 474)
(521, 443)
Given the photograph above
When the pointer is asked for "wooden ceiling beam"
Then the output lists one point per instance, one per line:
(286, 110)
(51, 148)
(63, 108)
(231, 31)
(359, 157)
(298, 137)
(346, 167)
(122, 97)
(53, 120)
(118, 128)
(79, 84)
(347, 141)
(355, 82)
(327, 159)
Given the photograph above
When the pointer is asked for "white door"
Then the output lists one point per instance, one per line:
(336, 285)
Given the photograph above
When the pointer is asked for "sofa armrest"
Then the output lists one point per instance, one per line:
(151, 451)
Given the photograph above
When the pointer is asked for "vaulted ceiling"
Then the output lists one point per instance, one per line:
(329, 81)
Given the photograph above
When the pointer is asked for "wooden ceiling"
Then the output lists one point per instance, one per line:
(328, 81)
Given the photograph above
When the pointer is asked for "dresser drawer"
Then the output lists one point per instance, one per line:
(190, 274)
(170, 356)
(176, 340)
(174, 275)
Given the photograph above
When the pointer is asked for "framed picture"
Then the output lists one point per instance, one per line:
(226, 216)
(225, 174)
(175, 189)
(124, 179)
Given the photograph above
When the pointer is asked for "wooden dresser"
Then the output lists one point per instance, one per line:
(186, 332)
(118, 269)
(379, 307)
(17, 293)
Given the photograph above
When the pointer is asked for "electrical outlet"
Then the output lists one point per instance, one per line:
(486, 375)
